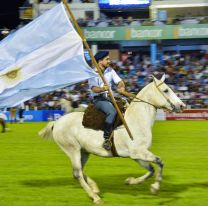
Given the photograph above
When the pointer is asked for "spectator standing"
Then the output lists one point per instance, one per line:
(75, 99)
(13, 113)
(20, 113)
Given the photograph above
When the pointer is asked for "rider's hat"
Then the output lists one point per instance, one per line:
(101, 54)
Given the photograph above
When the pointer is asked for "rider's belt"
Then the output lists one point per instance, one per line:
(103, 95)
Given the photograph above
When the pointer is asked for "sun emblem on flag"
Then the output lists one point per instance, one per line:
(12, 76)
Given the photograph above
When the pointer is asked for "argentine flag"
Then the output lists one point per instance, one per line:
(43, 56)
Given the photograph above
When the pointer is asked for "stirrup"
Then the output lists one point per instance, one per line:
(107, 144)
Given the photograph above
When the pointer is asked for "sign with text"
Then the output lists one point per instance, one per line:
(189, 114)
(38, 115)
(146, 32)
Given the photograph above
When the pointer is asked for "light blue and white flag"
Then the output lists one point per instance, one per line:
(43, 56)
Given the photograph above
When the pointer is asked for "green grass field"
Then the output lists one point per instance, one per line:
(35, 172)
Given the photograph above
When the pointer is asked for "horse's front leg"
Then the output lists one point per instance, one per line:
(77, 161)
(156, 185)
(138, 180)
(145, 155)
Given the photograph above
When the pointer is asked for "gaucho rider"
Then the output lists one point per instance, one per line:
(100, 93)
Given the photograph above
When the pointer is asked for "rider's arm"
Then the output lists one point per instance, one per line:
(121, 90)
(120, 85)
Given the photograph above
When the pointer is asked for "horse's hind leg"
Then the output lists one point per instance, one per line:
(91, 182)
(138, 180)
(75, 156)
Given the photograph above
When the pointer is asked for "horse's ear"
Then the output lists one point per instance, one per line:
(151, 77)
(162, 78)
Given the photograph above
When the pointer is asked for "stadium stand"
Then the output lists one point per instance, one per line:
(184, 61)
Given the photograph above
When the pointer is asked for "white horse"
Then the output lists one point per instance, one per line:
(78, 142)
(66, 105)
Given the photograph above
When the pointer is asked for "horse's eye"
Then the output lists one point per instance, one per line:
(166, 91)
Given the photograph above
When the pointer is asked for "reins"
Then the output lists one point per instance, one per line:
(157, 86)
(140, 100)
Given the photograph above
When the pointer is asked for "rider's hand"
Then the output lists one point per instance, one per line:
(105, 87)
(121, 90)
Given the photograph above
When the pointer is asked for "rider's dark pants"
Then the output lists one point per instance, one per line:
(105, 105)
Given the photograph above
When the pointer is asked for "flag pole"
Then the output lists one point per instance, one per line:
(96, 65)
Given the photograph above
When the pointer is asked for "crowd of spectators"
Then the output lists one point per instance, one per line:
(51, 101)
(130, 21)
(187, 74)
(121, 20)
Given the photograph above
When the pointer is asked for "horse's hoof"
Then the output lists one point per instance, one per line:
(130, 181)
(98, 201)
(154, 188)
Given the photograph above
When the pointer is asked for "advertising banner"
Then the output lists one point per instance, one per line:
(38, 115)
(146, 32)
(189, 114)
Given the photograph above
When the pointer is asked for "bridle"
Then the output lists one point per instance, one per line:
(156, 107)
(171, 104)
(140, 100)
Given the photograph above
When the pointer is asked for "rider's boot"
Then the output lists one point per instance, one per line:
(107, 134)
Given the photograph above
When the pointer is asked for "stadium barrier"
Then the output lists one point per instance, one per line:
(38, 115)
(189, 114)
(49, 115)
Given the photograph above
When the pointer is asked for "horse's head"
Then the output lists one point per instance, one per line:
(164, 97)
(65, 105)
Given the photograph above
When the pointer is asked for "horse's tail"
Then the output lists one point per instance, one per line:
(47, 131)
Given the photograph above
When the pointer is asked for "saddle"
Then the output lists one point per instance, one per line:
(94, 118)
